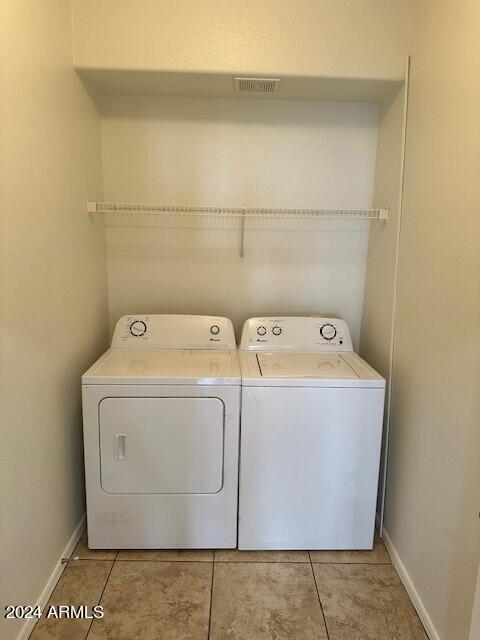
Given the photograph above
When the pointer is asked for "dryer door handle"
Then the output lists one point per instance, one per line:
(120, 447)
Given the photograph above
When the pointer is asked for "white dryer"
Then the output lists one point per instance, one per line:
(311, 433)
(161, 429)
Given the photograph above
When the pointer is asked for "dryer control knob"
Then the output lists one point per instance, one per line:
(261, 330)
(138, 328)
(214, 329)
(328, 331)
(276, 330)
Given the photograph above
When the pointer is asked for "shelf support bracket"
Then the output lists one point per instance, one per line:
(242, 234)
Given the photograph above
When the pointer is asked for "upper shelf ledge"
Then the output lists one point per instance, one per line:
(224, 85)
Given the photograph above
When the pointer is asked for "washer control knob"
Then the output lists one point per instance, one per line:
(261, 330)
(214, 329)
(138, 328)
(328, 331)
(276, 330)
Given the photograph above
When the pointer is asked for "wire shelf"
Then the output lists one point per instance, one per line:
(235, 212)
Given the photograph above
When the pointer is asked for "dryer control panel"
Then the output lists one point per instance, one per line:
(165, 331)
(291, 333)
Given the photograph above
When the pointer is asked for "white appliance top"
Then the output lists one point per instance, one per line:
(304, 365)
(169, 349)
(305, 352)
(290, 333)
(165, 366)
(165, 331)
(288, 369)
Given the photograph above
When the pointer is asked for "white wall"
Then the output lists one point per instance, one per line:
(238, 153)
(345, 38)
(53, 292)
(434, 471)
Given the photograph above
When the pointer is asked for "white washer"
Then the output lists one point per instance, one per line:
(311, 432)
(161, 428)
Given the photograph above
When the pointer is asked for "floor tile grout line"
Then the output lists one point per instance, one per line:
(101, 595)
(262, 561)
(211, 598)
(353, 564)
(160, 561)
(335, 562)
(318, 596)
(372, 564)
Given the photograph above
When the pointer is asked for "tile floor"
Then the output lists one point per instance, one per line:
(237, 595)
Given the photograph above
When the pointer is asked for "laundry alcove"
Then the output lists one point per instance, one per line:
(226, 152)
(328, 141)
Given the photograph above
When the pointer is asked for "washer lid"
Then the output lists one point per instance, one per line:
(161, 366)
(304, 365)
(280, 368)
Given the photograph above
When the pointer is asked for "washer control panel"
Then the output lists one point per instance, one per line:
(291, 333)
(165, 331)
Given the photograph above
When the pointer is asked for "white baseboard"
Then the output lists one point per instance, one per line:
(27, 628)
(410, 587)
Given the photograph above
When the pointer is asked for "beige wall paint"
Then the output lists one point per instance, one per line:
(475, 624)
(379, 292)
(345, 38)
(238, 153)
(53, 292)
(379, 298)
(434, 472)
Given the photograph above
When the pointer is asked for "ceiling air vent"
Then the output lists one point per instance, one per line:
(257, 85)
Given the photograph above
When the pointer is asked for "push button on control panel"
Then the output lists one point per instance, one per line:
(138, 328)
(276, 330)
(261, 330)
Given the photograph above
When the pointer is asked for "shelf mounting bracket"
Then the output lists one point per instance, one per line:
(242, 234)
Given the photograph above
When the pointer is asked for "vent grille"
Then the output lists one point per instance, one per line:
(257, 85)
